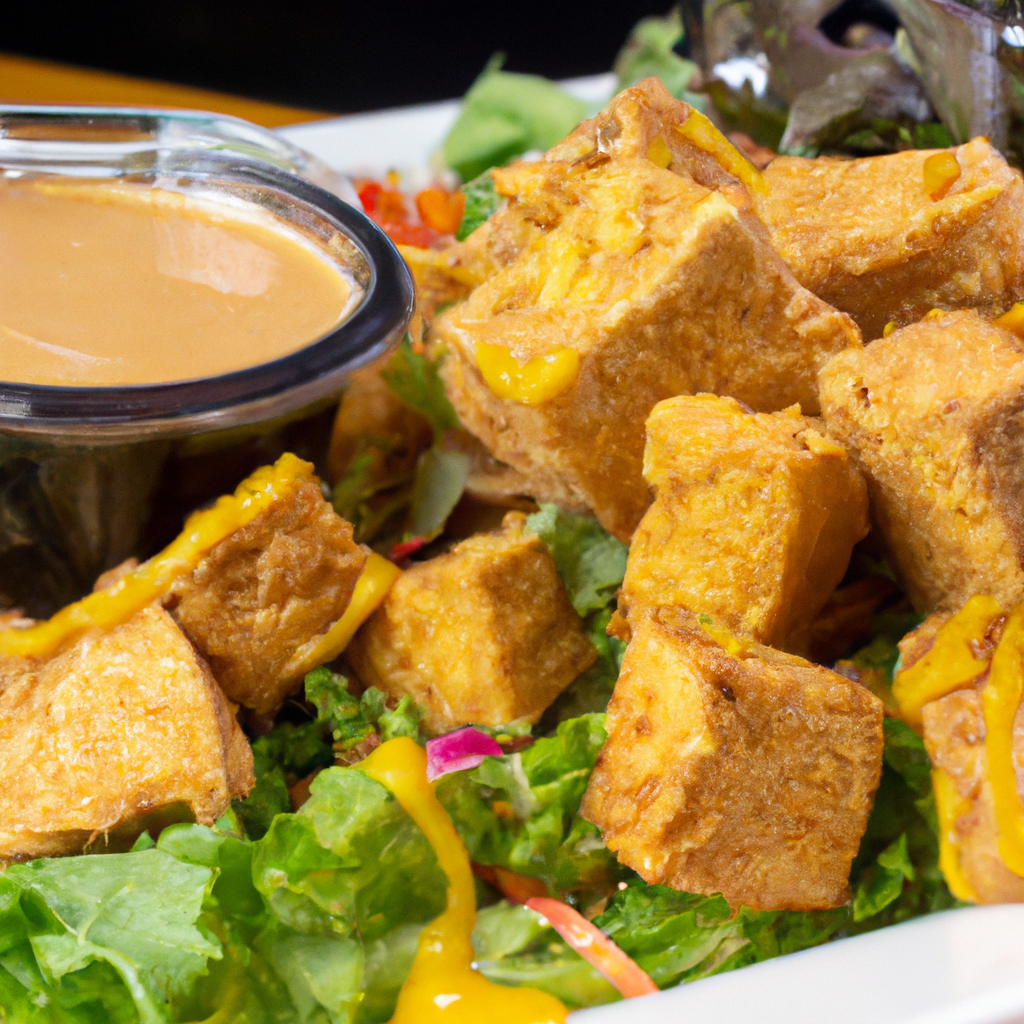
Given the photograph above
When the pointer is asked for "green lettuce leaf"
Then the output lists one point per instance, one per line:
(112, 931)
(519, 811)
(514, 946)
(650, 50)
(351, 860)
(590, 561)
(678, 936)
(481, 202)
(415, 381)
(895, 875)
(440, 480)
(503, 115)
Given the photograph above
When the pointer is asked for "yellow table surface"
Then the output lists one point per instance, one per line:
(26, 80)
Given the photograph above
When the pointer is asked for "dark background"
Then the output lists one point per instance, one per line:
(327, 55)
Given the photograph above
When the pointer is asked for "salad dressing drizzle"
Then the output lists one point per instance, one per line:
(442, 985)
(203, 530)
(1000, 701)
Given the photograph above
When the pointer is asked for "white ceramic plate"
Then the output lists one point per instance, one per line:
(959, 967)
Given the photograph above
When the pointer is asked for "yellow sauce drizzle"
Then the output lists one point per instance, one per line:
(203, 530)
(539, 380)
(1000, 700)
(949, 806)
(950, 663)
(372, 587)
(704, 135)
(659, 153)
(442, 985)
(1012, 319)
(940, 171)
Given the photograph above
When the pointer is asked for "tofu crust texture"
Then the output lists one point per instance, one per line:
(934, 415)
(754, 519)
(749, 772)
(484, 634)
(658, 283)
(263, 597)
(120, 723)
(866, 236)
(954, 736)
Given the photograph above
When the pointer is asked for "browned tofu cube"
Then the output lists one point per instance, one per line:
(933, 415)
(118, 724)
(754, 518)
(616, 280)
(483, 634)
(735, 769)
(954, 735)
(867, 236)
(263, 597)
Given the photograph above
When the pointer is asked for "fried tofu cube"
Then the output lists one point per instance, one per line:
(118, 724)
(484, 634)
(954, 736)
(754, 518)
(618, 281)
(734, 769)
(263, 597)
(933, 415)
(874, 237)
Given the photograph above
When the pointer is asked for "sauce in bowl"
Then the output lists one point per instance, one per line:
(106, 283)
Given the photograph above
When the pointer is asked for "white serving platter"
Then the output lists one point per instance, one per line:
(958, 967)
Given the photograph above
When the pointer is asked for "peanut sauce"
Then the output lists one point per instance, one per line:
(105, 283)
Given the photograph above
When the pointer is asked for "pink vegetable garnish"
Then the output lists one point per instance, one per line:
(458, 751)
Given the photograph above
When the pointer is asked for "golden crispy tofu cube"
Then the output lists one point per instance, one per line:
(753, 522)
(954, 735)
(616, 282)
(484, 634)
(743, 771)
(118, 724)
(868, 237)
(262, 597)
(932, 414)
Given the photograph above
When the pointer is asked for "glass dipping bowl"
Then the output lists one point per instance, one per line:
(92, 475)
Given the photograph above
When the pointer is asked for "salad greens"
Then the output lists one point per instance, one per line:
(504, 115)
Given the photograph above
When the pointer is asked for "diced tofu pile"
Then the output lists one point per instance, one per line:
(617, 281)
(733, 768)
(646, 330)
(870, 237)
(753, 521)
(112, 727)
(484, 634)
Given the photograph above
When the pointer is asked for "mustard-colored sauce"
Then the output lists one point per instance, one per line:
(537, 381)
(1000, 701)
(372, 587)
(104, 283)
(442, 985)
(950, 663)
(203, 530)
(940, 172)
(702, 132)
(949, 806)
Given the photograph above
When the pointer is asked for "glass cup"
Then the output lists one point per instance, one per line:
(92, 475)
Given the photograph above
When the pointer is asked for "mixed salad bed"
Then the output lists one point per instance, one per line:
(305, 901)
